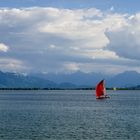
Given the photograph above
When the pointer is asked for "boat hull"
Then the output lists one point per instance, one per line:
(103, 97)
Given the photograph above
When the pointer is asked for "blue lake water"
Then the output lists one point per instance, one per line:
(69, 115)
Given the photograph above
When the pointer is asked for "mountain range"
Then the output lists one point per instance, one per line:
(73, 80)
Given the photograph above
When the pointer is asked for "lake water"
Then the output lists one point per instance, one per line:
(69, 115)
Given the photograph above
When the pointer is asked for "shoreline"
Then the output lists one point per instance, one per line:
(66, 89)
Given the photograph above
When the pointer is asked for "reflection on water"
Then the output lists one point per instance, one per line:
(69, 115)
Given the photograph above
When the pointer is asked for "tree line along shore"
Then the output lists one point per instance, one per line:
(88, 88)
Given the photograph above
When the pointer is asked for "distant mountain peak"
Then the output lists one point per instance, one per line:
(77, 79)
(127, 73)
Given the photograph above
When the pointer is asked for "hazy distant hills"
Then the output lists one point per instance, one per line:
(12, 80)
(126, 79)
(77, 78)
(80, 79)
(74, 80)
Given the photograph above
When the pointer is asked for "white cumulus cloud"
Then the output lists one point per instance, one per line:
(125, 41)
(3, 47)
(50, 39)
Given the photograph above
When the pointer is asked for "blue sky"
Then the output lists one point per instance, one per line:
(119, 5)
(99, 36)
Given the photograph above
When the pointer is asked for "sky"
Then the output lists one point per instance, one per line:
(61, 36)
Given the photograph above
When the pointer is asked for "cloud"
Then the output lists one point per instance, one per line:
(13, 65)
(76, 25)
(125, 41)
(3, 47)
(53, 40)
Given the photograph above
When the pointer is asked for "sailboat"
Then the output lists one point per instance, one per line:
(101, 90)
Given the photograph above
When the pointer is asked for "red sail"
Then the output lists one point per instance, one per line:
(100, 89)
